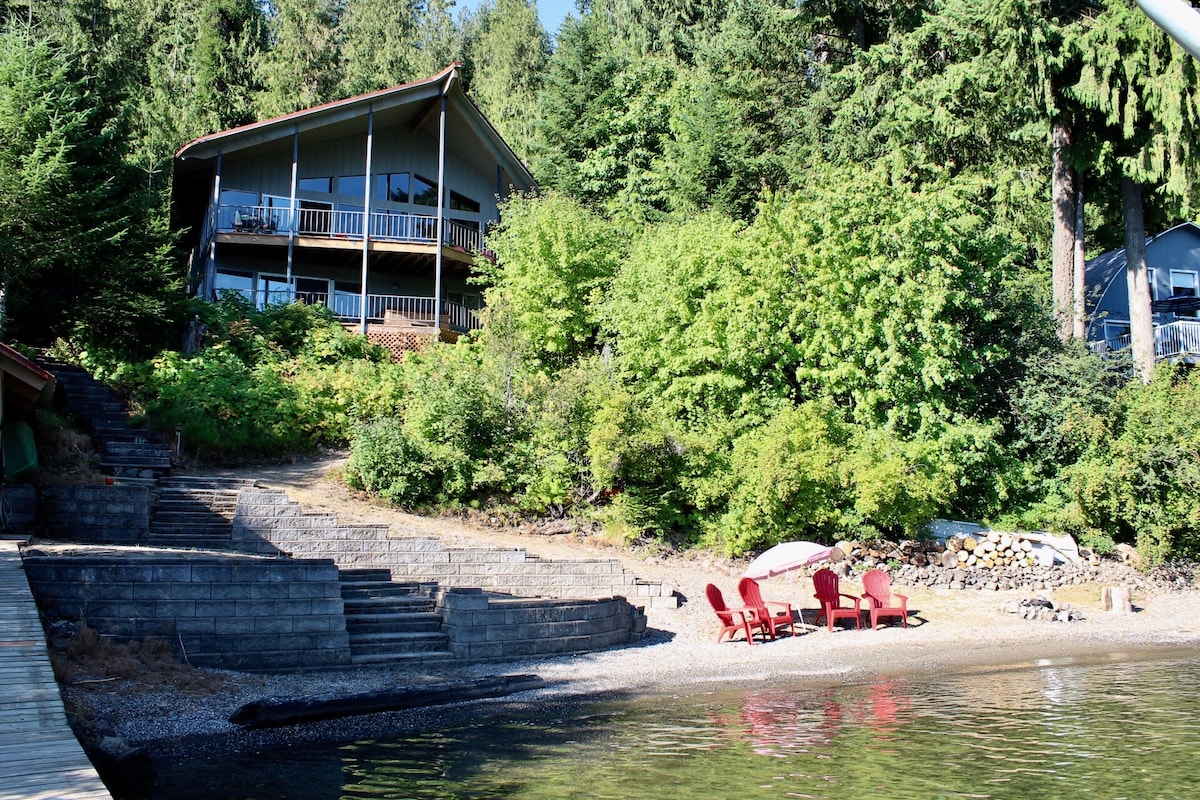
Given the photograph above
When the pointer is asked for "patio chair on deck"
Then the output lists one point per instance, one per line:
(733, 619)
(883, 601)
(752, 597)
(825, 582)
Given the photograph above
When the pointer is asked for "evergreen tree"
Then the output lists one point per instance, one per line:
(378, 44)
(438, 38)
(507, 50)
(302, 67)
(82, 251)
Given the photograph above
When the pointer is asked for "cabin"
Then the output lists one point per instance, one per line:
(375, 206)
(1173, 261)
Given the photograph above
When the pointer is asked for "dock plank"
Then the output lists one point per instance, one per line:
(40, 758)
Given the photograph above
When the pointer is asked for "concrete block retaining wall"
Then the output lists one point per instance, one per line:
(488, 628)
(268, 521)
(231, 612)
(99, 513)
(19, 510)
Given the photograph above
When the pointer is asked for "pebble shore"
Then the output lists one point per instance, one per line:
(949, 630)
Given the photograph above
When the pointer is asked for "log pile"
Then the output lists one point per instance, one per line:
(985, 551)
(992, 549)
(930, 564)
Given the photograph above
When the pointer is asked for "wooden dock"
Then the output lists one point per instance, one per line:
(40, 758)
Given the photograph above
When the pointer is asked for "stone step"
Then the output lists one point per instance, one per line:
(200, 482)
(354, 575)
(396, 643)
(224, 532)
(198, 516)
(139, 462)
(189, 542)
(395, 622)
(408, 659)
(380, 589)
(386, 604)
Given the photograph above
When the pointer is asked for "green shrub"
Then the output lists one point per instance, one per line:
(1139, 478)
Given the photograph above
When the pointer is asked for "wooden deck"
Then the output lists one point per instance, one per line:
(39, 755)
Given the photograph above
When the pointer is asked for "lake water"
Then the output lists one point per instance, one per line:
(1120, 728)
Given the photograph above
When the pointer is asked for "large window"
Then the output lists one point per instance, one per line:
(318, 185)
(352, 185)
(393, 187)
(460, 202)
(424, 192)
(237, 197)
(235, 282)
(1183, 283)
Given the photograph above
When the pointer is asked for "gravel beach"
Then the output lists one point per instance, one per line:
(948, 631)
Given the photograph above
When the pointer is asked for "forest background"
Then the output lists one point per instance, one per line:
(794, 270)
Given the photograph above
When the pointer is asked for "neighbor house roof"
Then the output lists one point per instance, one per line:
(1101, 271)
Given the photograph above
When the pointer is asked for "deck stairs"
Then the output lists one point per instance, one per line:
(126, 450)
(391, 622)
(195, 512)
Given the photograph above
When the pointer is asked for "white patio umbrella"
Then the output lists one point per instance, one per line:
(786, 556)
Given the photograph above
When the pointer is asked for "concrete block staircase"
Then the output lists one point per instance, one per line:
(126, 450)
(390, 622)
(267, 521)
(195, 512)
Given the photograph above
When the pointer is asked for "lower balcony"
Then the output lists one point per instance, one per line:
(382, 309)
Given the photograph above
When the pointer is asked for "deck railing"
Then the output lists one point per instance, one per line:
(389, 226)
(1178, 339)
(417, 311)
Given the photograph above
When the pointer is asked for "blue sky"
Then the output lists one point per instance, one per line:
(550, 12)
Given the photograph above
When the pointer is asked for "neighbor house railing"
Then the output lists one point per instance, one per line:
(394, 226)
(1176, 339)
(416, 311)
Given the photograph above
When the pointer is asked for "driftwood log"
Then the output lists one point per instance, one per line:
(273, 712)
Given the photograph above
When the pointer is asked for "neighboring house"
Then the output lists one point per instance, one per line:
(1173, 258)
(344, 205)
(24, 386)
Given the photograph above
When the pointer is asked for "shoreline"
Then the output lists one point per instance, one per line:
(963, 630)
(957, 635)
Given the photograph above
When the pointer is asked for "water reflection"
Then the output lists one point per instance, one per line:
(1122, 729)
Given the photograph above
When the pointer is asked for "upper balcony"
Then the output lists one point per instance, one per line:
(336, 227)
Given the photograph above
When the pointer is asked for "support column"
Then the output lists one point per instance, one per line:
(362, 301)
(441, 221)
(292, 205)
(209, 284)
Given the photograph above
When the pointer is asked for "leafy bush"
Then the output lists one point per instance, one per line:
(1139, 477)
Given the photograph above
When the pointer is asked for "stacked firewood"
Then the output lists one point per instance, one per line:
(988, 550)
(985, 550)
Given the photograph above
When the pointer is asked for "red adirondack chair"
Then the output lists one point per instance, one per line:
(752, 597)
(733, 619)
(825, 582)
(883, 601)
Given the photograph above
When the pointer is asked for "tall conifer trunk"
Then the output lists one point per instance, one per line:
(1063, 265)
(1141, 322)
(1079, 315)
